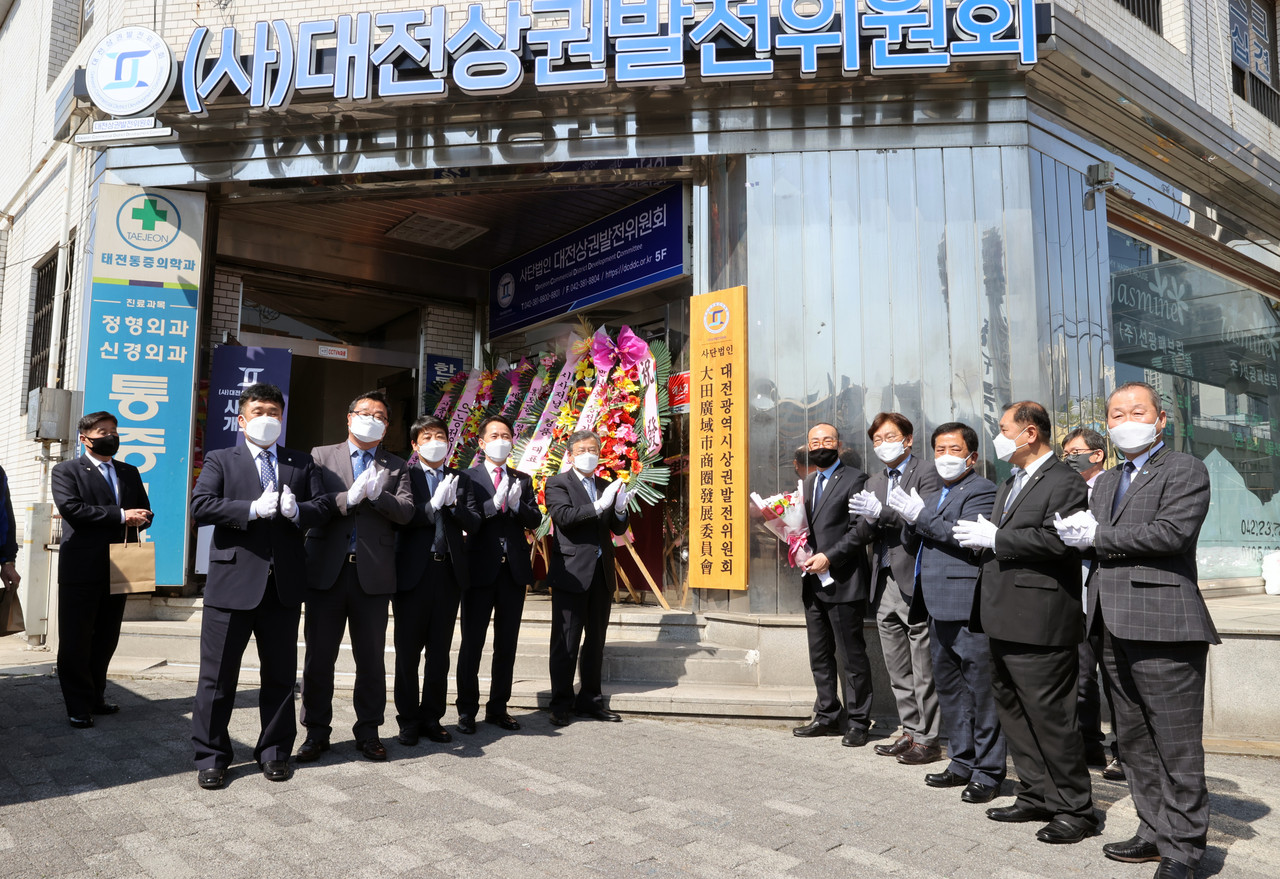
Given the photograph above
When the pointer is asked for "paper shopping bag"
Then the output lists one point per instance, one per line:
(133, 568)
(11, 621)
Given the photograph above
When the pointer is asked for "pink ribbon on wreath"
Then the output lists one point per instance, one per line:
(629, 350)
(795, 543)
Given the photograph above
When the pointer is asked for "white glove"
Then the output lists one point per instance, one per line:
(452, 479)
(355, 494)
(440, 497)
(907, 505)
(620, 502)
(513, 495)
(376, 483)
(500, 493)
(607, 496)
(288, 504)
(976, 535)
(865, 504)
(267, 505)
(1077, 530)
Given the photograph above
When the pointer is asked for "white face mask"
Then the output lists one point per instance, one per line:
(1132, 437)
(1006, 447)
(586, 463)
(367, 429)
(950, 467)
(498, 450)
(262, 431)
(433, 451)
(890, 452)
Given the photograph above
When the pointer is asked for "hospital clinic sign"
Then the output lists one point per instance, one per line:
(719, 541)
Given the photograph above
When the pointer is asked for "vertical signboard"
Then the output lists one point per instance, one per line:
(234, 369)
(442, 368)
(718, 535)
(141, 347)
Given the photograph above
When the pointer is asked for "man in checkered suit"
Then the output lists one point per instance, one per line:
(1144, 600)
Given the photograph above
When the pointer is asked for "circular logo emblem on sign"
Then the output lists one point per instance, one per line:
(148, 222)
(130, 72)
(716, 318)
(506, 290)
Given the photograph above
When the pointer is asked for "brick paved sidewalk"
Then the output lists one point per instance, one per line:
(645, 797)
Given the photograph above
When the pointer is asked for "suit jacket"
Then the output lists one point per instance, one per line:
(245, 553)
(374, 521)
(8, 523)
(1144, 578)
(840, 536)
(1029, 588)
(923, 477)
(414, 541)
(579, 532)
(948, 571)
(91, 518)
(498, 528)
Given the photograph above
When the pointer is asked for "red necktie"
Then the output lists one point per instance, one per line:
(497, 478)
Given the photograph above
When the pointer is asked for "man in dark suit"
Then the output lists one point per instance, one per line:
(431, 575)
(586, 511)
(834, 589)
(102, 501)
(9, 577)
(1028, 603)
(1145, 604)
(259, 497)
(500, 574)
(351, 564)
(905, 643)
(947, 574)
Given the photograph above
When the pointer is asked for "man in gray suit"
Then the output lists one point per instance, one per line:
(905, 644)
(947, 574)
(351, 563)
(1145, 603)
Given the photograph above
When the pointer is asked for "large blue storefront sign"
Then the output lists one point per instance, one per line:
(141, 349)
(642, 244)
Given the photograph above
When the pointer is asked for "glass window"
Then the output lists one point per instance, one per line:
(1212, 347)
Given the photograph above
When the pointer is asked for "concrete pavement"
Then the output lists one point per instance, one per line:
(644, 797)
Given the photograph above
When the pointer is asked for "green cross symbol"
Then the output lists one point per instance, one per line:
(150, 214)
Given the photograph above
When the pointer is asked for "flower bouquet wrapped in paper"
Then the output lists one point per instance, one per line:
(784, 516)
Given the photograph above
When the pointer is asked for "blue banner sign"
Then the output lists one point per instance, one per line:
(441, 368)
(140, 348)
(234, 369)
(642, 244)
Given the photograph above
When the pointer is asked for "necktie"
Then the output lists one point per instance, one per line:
(267, 472)
(109, 472)
(359, 463)
(893, 478)
(817, 489)
(500, 502)
(590, 486)
(1126, 477)
(942, 497)
(437, 541)
(1019, 476)
(885, 540)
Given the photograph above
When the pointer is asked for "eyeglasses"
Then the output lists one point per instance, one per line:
(880, 440)
(826, 442)
(376, 416)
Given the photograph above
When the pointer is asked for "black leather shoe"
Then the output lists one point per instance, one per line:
(80, 722)
(946, 778)
(1132, 851)
(1114, 771)
(408, 736)
(503, 721)
(1063, 831)
(976, 792)
(277, 770)
(437, 733)
(815, 729)
(211, 779)
(1018, 813)
(106, 708)
(558, 719)
(466, 724)
(920, 755)
(1171, 869)
(894, 748)
(854, 738)
(599, 714)
(372, 749)
(311, 750)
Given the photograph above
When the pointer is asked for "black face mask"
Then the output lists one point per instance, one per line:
(822, 458)
(1079, 462)
(106, 446)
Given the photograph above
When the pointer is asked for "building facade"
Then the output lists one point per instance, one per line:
(936, 208)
